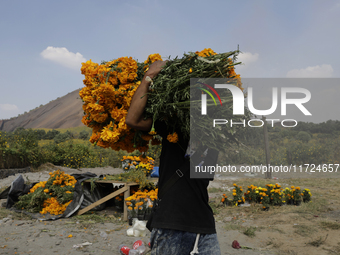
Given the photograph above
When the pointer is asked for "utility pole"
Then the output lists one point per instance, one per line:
(266, 147)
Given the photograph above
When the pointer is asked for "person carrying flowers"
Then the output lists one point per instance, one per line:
(183, 222)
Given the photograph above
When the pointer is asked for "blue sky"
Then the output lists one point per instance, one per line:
(44, 42)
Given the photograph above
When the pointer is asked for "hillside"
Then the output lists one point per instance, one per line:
(64, 112)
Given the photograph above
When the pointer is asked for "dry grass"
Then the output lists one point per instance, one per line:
(318, 241)
(14, 215)
(274, 243)
(290, 229)
(330, 225)
(304, 230)
(250, 231)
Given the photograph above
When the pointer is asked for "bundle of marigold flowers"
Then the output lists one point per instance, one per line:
(111, 85)
(145, 168)
(141, 202)
(129, 162)
(51, 196)
(107, 97)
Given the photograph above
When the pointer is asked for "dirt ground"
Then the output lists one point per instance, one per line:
(312, 228)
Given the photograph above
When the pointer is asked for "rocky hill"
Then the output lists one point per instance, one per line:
(63, 112)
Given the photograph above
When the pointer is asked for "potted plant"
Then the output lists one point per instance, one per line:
(297, 198)
(140, 204)
(237, 195)
(250, 195)
(131, 209)
(275, 195)
(287, 193)
(306, 195)
(225, 201)
(265, 200)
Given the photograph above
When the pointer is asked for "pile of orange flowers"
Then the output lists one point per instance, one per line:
(141, 202)
(109, 88)
(38, 185)
(52, 206)
(51, 196)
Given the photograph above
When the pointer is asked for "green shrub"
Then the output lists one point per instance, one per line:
(303, 136)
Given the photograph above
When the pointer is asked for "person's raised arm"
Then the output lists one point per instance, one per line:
(135, 117)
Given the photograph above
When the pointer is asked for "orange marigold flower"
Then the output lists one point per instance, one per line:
(152, 132)
(206, 52)
(172, 138)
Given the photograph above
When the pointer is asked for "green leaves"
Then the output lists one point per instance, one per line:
(171, 99)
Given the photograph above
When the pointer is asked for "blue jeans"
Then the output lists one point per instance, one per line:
(175, 242)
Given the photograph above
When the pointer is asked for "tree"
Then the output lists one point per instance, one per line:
(40, 133)
(303, 136)
(69, 134)
(84, 135)
(24, 138)
(51, 134)
(61, 137)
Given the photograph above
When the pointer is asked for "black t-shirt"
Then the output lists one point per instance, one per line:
(185, 206)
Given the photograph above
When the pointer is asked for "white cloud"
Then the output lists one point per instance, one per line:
(247, 57)
(323, 71)
(63, 56)
(8, 107)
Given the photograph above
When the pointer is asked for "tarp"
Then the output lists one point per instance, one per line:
(82, 196)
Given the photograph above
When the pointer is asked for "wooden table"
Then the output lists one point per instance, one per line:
(125, 189)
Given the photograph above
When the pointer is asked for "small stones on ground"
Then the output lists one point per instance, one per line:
(227, 219)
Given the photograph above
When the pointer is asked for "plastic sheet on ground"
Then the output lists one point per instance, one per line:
(82, 196)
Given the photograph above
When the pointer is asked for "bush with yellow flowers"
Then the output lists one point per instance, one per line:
(141, 203)
(51, 196)
(110, 86)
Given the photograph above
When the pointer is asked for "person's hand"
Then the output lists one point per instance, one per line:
(155, 68)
